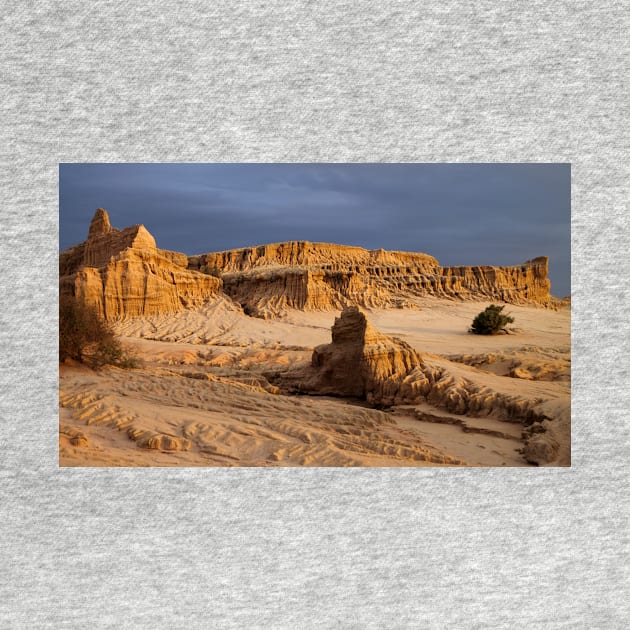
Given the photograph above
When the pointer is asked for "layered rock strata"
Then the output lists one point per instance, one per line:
(326, 256)
(327, 276)
(268, 292)
(123, 274)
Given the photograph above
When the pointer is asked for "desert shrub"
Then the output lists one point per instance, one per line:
(491, 321)
(85, 337)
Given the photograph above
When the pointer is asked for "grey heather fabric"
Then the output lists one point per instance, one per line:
(314, 548)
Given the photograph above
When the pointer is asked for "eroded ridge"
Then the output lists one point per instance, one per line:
(386, 371)
(125, 275)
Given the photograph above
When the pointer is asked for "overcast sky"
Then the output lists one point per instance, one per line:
(463, 214)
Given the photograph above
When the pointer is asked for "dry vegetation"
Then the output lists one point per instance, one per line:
(86, 338)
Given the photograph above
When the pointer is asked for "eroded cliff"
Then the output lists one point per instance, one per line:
(123, 273)
(267, 279)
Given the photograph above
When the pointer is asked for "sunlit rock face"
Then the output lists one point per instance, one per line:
(364, 363)
(268, 279)
(360, 361)
(123, 274)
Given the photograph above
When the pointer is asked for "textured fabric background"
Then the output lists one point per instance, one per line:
(314, 548)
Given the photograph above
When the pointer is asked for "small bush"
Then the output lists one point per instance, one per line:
(85, 337)
(491, 321)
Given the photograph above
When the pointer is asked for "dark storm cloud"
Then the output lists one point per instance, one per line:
(498, 214)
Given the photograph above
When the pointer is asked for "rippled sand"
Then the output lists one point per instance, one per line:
(205, 394)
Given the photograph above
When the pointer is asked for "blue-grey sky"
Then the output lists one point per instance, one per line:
(463, 214)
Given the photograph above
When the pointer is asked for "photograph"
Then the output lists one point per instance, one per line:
(314, 314)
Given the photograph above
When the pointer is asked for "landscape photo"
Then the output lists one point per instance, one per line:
(342, 314)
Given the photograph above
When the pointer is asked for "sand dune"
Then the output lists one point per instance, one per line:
(221, 322)
(204, 398)
(163, 417)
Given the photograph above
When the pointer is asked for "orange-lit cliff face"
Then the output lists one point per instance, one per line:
(300, 274)
(266, 289)
(326, 256)
(124, 274)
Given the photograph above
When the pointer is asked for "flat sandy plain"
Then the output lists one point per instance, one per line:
(205, 393)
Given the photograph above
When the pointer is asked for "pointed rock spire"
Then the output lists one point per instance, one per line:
(100, 223)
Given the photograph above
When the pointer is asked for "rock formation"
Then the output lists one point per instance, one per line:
(360, 361)
(363, 363)
(123, 274)
(266, 279)
(541, 444)
(326, 256)
(268, 291)
(383, 370)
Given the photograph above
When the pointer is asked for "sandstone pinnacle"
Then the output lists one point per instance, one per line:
(360, 361)
(100, 223)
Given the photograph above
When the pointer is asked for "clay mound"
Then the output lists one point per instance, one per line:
(385, 371)
(360, 361)
(363, 363)
(123, 274)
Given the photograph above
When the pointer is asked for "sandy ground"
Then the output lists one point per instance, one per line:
(201, 397)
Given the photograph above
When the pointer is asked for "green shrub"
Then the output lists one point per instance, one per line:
(85, 337)
(491, 321)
